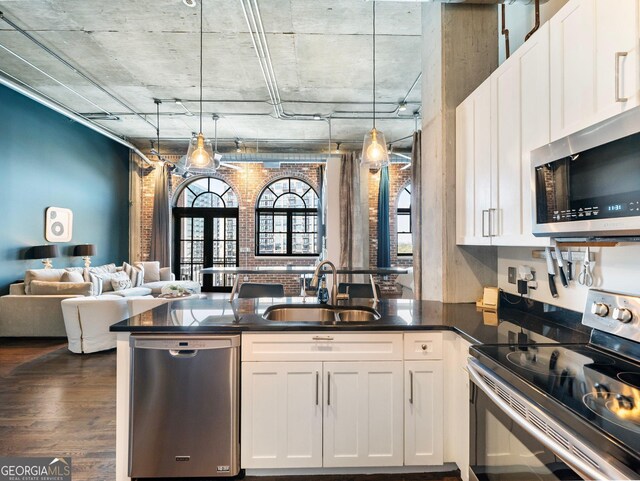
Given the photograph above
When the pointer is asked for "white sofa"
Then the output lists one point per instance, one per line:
(36, 312)
(87, 319)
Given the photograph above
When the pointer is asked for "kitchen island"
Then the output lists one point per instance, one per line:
(413, 344)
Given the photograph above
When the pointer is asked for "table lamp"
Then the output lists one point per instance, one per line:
(85, 251)
(46, 253)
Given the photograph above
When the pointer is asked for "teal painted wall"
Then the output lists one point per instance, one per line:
(48, 160)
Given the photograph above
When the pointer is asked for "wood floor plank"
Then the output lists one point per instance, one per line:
(55, 403)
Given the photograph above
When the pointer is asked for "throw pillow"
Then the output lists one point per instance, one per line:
(46, 288)
(151, 270)
(96, 281)
(120, 281)
(72, 276)
(135, 273)
(49, 275)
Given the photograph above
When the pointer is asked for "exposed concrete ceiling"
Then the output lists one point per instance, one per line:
(149, 49)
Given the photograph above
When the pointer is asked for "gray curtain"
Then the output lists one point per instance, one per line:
(351, 241)
(416, 212)
(161, 226)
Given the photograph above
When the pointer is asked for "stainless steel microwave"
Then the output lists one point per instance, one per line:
(588, 184)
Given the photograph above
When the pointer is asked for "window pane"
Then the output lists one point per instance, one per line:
(404, 198)
(404, 222)
(272, 244)
(267, 199)
(289, 201)
(218, 230)
(298, 223)
(304, 244)
(405, 246)
(230, 199)
(311, 200)
(218, 251)
(280, 223)
(231, 230)
(266, 223)
(279, 187)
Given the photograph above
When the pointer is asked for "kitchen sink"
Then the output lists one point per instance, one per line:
(357, 315)
(315, 313)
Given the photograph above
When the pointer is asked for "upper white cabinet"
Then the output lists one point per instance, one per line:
(497, 127)
(473, 168)
(594, 63)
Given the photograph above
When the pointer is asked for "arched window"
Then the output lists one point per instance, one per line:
(287, 219)
(403, 222)
(207, 192)
(206, 226)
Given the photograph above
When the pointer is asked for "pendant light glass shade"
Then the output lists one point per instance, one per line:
(374, 150)
(200, 153)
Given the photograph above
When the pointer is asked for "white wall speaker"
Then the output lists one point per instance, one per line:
(58, 224)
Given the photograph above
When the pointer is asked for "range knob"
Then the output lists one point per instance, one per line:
(623, 315)
(599, 309)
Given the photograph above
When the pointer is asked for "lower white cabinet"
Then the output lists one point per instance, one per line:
(423, 413)
(363, 414)
(341, 400)
(281, 415)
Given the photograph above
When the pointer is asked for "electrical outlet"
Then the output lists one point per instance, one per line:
(512, 276)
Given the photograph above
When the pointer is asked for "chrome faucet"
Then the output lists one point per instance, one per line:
(335, 297)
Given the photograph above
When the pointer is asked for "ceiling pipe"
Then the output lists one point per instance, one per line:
(19, 29)
(61, 109)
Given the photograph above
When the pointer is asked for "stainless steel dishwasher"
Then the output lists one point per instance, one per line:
(184, 406)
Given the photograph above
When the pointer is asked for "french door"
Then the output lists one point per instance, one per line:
(205, 237)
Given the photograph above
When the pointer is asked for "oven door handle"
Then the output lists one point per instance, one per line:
(583, 469)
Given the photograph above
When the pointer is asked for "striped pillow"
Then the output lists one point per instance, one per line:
(135, 273)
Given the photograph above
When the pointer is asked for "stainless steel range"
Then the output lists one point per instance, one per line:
(561, 411)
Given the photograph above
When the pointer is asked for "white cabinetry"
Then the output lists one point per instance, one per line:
(473, 168)
(594, 63)
(363, 414)
(282, 414)
(497, 127)
(423, 393)
(313, 400)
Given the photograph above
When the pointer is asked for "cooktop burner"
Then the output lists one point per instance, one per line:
(615, 407)
(631, 378)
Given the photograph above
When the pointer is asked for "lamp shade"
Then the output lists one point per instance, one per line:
(44, 252)
(84, 250)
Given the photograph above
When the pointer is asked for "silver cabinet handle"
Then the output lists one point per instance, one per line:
(322, 338)
(410, 387)
(617, 67)
(328, 388)
(317, 388)
(483, 223)
(492, 213)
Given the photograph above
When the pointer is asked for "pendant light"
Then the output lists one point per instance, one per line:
(200, 153)
(374, 148)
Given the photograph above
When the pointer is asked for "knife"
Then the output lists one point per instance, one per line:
(551, 270)
(569, 265)
(560, 260)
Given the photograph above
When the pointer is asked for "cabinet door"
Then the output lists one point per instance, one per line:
(363, 414)
(573, 96)
(616, 57)
(533, 58)
(506, 216)
(473, 168)
(281, 411)
(423, 413)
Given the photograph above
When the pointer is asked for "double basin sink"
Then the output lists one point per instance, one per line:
(320, 314)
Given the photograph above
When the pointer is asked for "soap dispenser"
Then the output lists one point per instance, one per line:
(323, 292)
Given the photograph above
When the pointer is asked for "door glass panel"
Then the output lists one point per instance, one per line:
(231, 229)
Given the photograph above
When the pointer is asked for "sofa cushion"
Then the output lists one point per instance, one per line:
(135, 273)
(151, 271)
(42, 288)
(189, 286)
(132, 291)
(106, 268)
(72, 276)
(120, 281)
(49, 275)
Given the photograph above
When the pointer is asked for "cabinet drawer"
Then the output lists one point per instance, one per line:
(423, 345)
(322, 346)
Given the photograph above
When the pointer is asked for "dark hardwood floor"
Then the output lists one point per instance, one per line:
(55, 403)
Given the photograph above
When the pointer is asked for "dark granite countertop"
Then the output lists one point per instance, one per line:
(516, 317)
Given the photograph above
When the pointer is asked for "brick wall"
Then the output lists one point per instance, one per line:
(247, 184)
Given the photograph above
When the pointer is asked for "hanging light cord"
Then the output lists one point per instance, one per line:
(201, 3)
(374, 64)
(158, 125)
